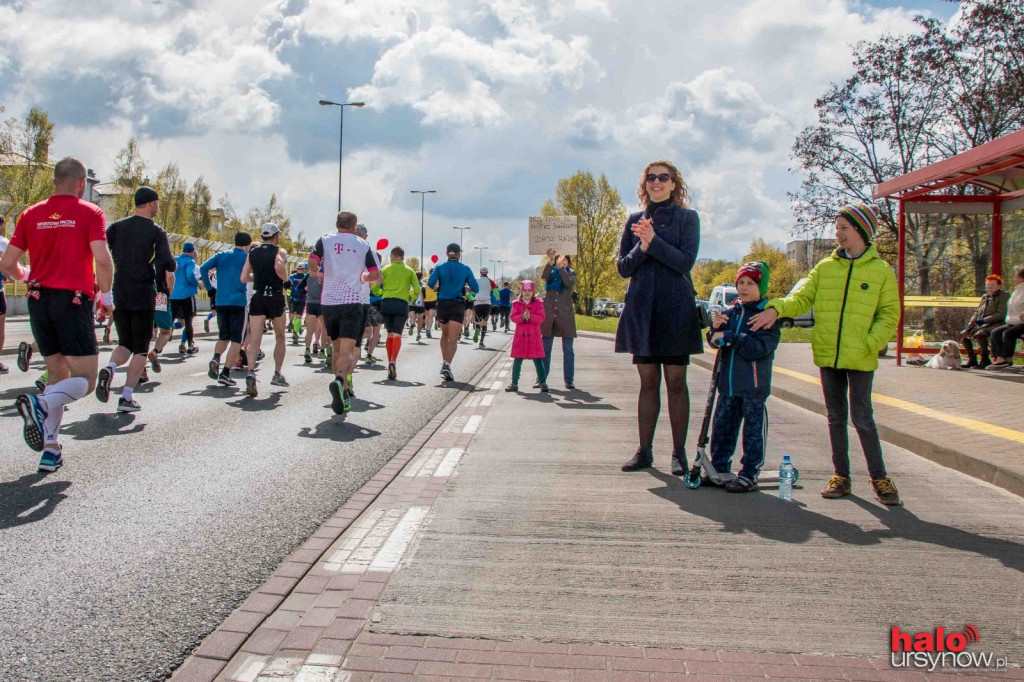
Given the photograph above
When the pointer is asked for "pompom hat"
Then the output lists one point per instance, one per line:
(758, 271)
(862, 218)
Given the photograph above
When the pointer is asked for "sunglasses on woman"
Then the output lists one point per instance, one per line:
(660, 177)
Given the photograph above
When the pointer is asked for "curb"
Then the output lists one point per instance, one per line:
(975, 467)
(282, 583)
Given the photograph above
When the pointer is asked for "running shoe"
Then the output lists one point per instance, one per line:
(481, 344)
(206, 325)
(322, 355)
(316, 348)
(214, 369)
(225, 380)
(476, 334)
(41, 381)
(181, 349)
(330, 352)
(106, 335)
(338, 397)
(295, 339)
(250, 384)
(260, 355)
(239, 364)
(192, 350)
(103, 384)
(446, 372)
(351, 385)
(429, 335)
(24, 355)
(154, 361)
(412, 328)
(278, 380)
(51, 461)
(32, 411)
(418, 337)
(128, 405)
(143, 378)
(307, 356)
(392, 371)
(4, 369)
(243, 358)
(370, 359)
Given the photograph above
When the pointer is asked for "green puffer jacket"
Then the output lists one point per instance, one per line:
(856, 309)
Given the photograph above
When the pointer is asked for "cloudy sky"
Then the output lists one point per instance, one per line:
(489, 103)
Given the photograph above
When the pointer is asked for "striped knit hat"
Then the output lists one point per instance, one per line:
(862, 218)
(758, 271)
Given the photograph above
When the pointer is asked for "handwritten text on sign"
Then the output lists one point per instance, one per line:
(553, 232)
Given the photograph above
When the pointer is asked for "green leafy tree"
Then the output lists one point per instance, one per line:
(129, 174)
(784, 273)
(173, 214)
(200, 223)
(599, 218)
(26, 175)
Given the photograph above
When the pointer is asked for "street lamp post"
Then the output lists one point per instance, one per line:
(481, 249)
(341, 134)
(423, 198)
(502, 264)
(462, 231)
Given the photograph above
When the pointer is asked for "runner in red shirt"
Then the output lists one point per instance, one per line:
(63, 236)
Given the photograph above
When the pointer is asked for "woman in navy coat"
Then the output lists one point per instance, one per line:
(659, 323)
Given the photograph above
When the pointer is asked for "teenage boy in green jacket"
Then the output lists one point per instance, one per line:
(856, 310)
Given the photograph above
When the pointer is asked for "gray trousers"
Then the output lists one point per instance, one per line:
(848, 394)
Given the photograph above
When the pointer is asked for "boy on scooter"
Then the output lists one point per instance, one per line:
(744, 381)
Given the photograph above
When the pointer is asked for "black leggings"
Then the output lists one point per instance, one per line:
(649, 403)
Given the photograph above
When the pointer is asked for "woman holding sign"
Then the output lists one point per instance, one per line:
(559, 314)
(659, 324)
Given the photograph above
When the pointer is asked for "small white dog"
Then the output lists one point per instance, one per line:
(948, 357)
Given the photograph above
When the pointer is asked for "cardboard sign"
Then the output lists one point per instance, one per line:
(553, 232)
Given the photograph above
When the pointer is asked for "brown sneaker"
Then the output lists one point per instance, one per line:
(838, 486)
(885, 491)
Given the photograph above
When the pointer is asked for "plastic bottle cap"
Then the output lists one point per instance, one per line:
(785, 458)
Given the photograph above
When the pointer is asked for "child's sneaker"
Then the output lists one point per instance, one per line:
(885, 491)
(512, 388)
(837, 486)
(543, 386)
(740, 485)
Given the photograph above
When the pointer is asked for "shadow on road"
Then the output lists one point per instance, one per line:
(22, 501)
(12, 393)
(581, 400)
(398, 384)
(337, 430)
(102, 425)
(147, 387)
(460, 385)
(249, 404)
(213, 391)
(774, 519)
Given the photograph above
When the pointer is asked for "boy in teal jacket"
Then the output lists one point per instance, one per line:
(856, 308)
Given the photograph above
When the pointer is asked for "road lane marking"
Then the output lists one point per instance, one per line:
(448, 464)
(398, 541)
(473, 424)
(914, 408)
(488, 400)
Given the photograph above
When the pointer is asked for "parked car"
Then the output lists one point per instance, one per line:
(601, 307)
(617, 309)
(722, 297)
(805, 320)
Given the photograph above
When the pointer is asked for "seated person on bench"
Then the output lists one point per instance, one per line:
(1004, 337)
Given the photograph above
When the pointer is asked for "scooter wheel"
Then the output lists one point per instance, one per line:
(796, 474)
(692, 478)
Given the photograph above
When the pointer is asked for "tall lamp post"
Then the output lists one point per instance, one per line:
(423, 198)
(341, 134)
(502, 264)
(462, 231)
(481, 249)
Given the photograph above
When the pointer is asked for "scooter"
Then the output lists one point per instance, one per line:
(702, 462)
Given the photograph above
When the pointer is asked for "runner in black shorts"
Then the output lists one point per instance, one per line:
(348, 264)
(450, 280)
(482, 305)
(267, 269)
(62, 251)
(141, 254)
(231, 313)
(400, 286)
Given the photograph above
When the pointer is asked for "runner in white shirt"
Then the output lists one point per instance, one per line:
(348, 263)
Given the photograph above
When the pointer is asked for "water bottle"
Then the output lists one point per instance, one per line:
(786, 479)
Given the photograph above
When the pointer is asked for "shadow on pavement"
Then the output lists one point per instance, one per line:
(581, 400)
(22, 501)
(460, 385)
(397, 383)
(536, 397)
(337, 430)
(774, 519)
(147, 387)
(12, 393)
(360, 405)
(249, 404)
(102, 425)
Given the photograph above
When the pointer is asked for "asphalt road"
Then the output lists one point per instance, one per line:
(163, 521)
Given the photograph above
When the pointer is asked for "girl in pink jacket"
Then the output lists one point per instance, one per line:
(527, 313)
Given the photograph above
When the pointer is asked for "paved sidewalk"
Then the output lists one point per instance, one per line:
(504, 543)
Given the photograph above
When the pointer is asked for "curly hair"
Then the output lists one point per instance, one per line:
(680, 195)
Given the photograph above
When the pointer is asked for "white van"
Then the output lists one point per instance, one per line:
(722, 297)
(805, 320)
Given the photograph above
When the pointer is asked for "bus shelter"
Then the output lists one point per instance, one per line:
(987, 180)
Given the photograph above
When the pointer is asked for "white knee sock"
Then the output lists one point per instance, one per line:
(55, 398)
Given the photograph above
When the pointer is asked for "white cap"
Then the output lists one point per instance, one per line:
(269, 230)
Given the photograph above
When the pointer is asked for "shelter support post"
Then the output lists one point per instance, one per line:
(997, 239)
(901, 275)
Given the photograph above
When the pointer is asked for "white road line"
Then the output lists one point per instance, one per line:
(252, 668)
(473, 424)
(497, 385)
(317, 673)
(488, 400)
(447, 466)
(391, 553)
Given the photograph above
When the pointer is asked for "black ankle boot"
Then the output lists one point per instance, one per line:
(679, 465)
(643, 459)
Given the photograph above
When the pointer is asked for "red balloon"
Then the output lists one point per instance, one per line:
(382, 244)
(433, 259)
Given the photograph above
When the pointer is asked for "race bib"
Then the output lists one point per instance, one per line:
(161, 302)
